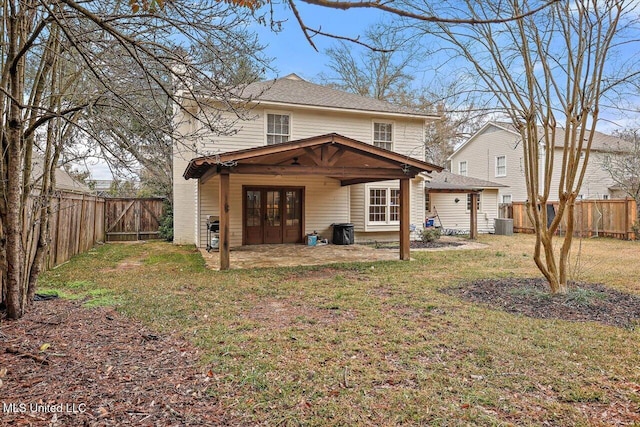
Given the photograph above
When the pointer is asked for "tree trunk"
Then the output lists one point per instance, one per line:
(14, 227)
(14, 187)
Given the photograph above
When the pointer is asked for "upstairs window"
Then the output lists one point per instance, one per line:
(462, 168)
(278, 128)
(501, 166)
(506, 198)
(383, 135)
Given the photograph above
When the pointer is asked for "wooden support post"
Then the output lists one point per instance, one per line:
(405, 208)
(224, 220)
(473, 233)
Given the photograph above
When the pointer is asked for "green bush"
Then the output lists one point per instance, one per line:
(166, 222)
(430, 234)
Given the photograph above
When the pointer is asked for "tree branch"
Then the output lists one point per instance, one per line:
(346, 5)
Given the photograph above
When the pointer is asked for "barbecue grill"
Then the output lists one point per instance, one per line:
(213, 232)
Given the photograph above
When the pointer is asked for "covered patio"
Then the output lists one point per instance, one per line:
(334, 156)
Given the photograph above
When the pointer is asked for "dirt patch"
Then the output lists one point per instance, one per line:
(278, 314)
(530, 297)
(128, 264)
(96, 367)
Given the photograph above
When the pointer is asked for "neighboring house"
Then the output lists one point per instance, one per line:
(64, 181)
(311, 156)
(102, 186)
(495, 153)
(448, 201)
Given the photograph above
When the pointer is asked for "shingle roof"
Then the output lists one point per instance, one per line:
(446, 180)
(294, 90)
(601, 141)
(64, 181)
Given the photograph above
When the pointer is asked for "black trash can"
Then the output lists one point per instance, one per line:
(343, 234)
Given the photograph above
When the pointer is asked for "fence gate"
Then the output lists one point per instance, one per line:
(132, 219)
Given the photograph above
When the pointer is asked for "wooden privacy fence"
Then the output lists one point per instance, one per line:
(604, 218)
(77, 223)
(132, 219)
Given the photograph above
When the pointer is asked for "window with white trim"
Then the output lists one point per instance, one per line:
(278, 128)
(501, 166)
(469, 203)
(384, 205)
(462, 168)
(383, 135)
(427, 202)
(506, 198)
(394, 205)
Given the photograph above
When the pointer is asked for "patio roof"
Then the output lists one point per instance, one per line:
(447, 182)
(348, 160)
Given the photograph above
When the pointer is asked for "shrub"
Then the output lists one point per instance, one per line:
(430, 234)
(166, 222)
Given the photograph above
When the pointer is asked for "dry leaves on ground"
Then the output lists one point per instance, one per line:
(96, 367)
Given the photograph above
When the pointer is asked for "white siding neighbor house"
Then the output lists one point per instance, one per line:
(448, 201)
(494, 153)
(309, 157)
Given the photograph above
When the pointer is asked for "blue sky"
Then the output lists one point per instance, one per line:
(290, 49)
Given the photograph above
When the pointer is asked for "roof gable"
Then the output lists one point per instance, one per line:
(480, 132)
(601, 141)
(333, 155)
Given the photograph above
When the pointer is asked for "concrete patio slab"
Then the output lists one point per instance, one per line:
(292, 255)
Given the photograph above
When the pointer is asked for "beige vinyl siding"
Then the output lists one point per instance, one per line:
(358, 206)
(455, 216)
(480, 153)
(326, 202)
(408, 134)
(184, 192)
(596, 180)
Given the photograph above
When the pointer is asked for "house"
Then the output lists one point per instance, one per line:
(310, 156)
(495, 153)
(63, 180)
(448, 201)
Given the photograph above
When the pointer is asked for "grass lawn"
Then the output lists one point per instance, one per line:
(378, 343)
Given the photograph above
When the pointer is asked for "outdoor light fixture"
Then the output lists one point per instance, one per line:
(295, 162)
(456, 200)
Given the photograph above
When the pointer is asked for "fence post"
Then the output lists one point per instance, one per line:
(630, 212)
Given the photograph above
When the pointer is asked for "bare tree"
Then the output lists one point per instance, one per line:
(381, 73)
(546, 71)
(64, 64)
(385, 71)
